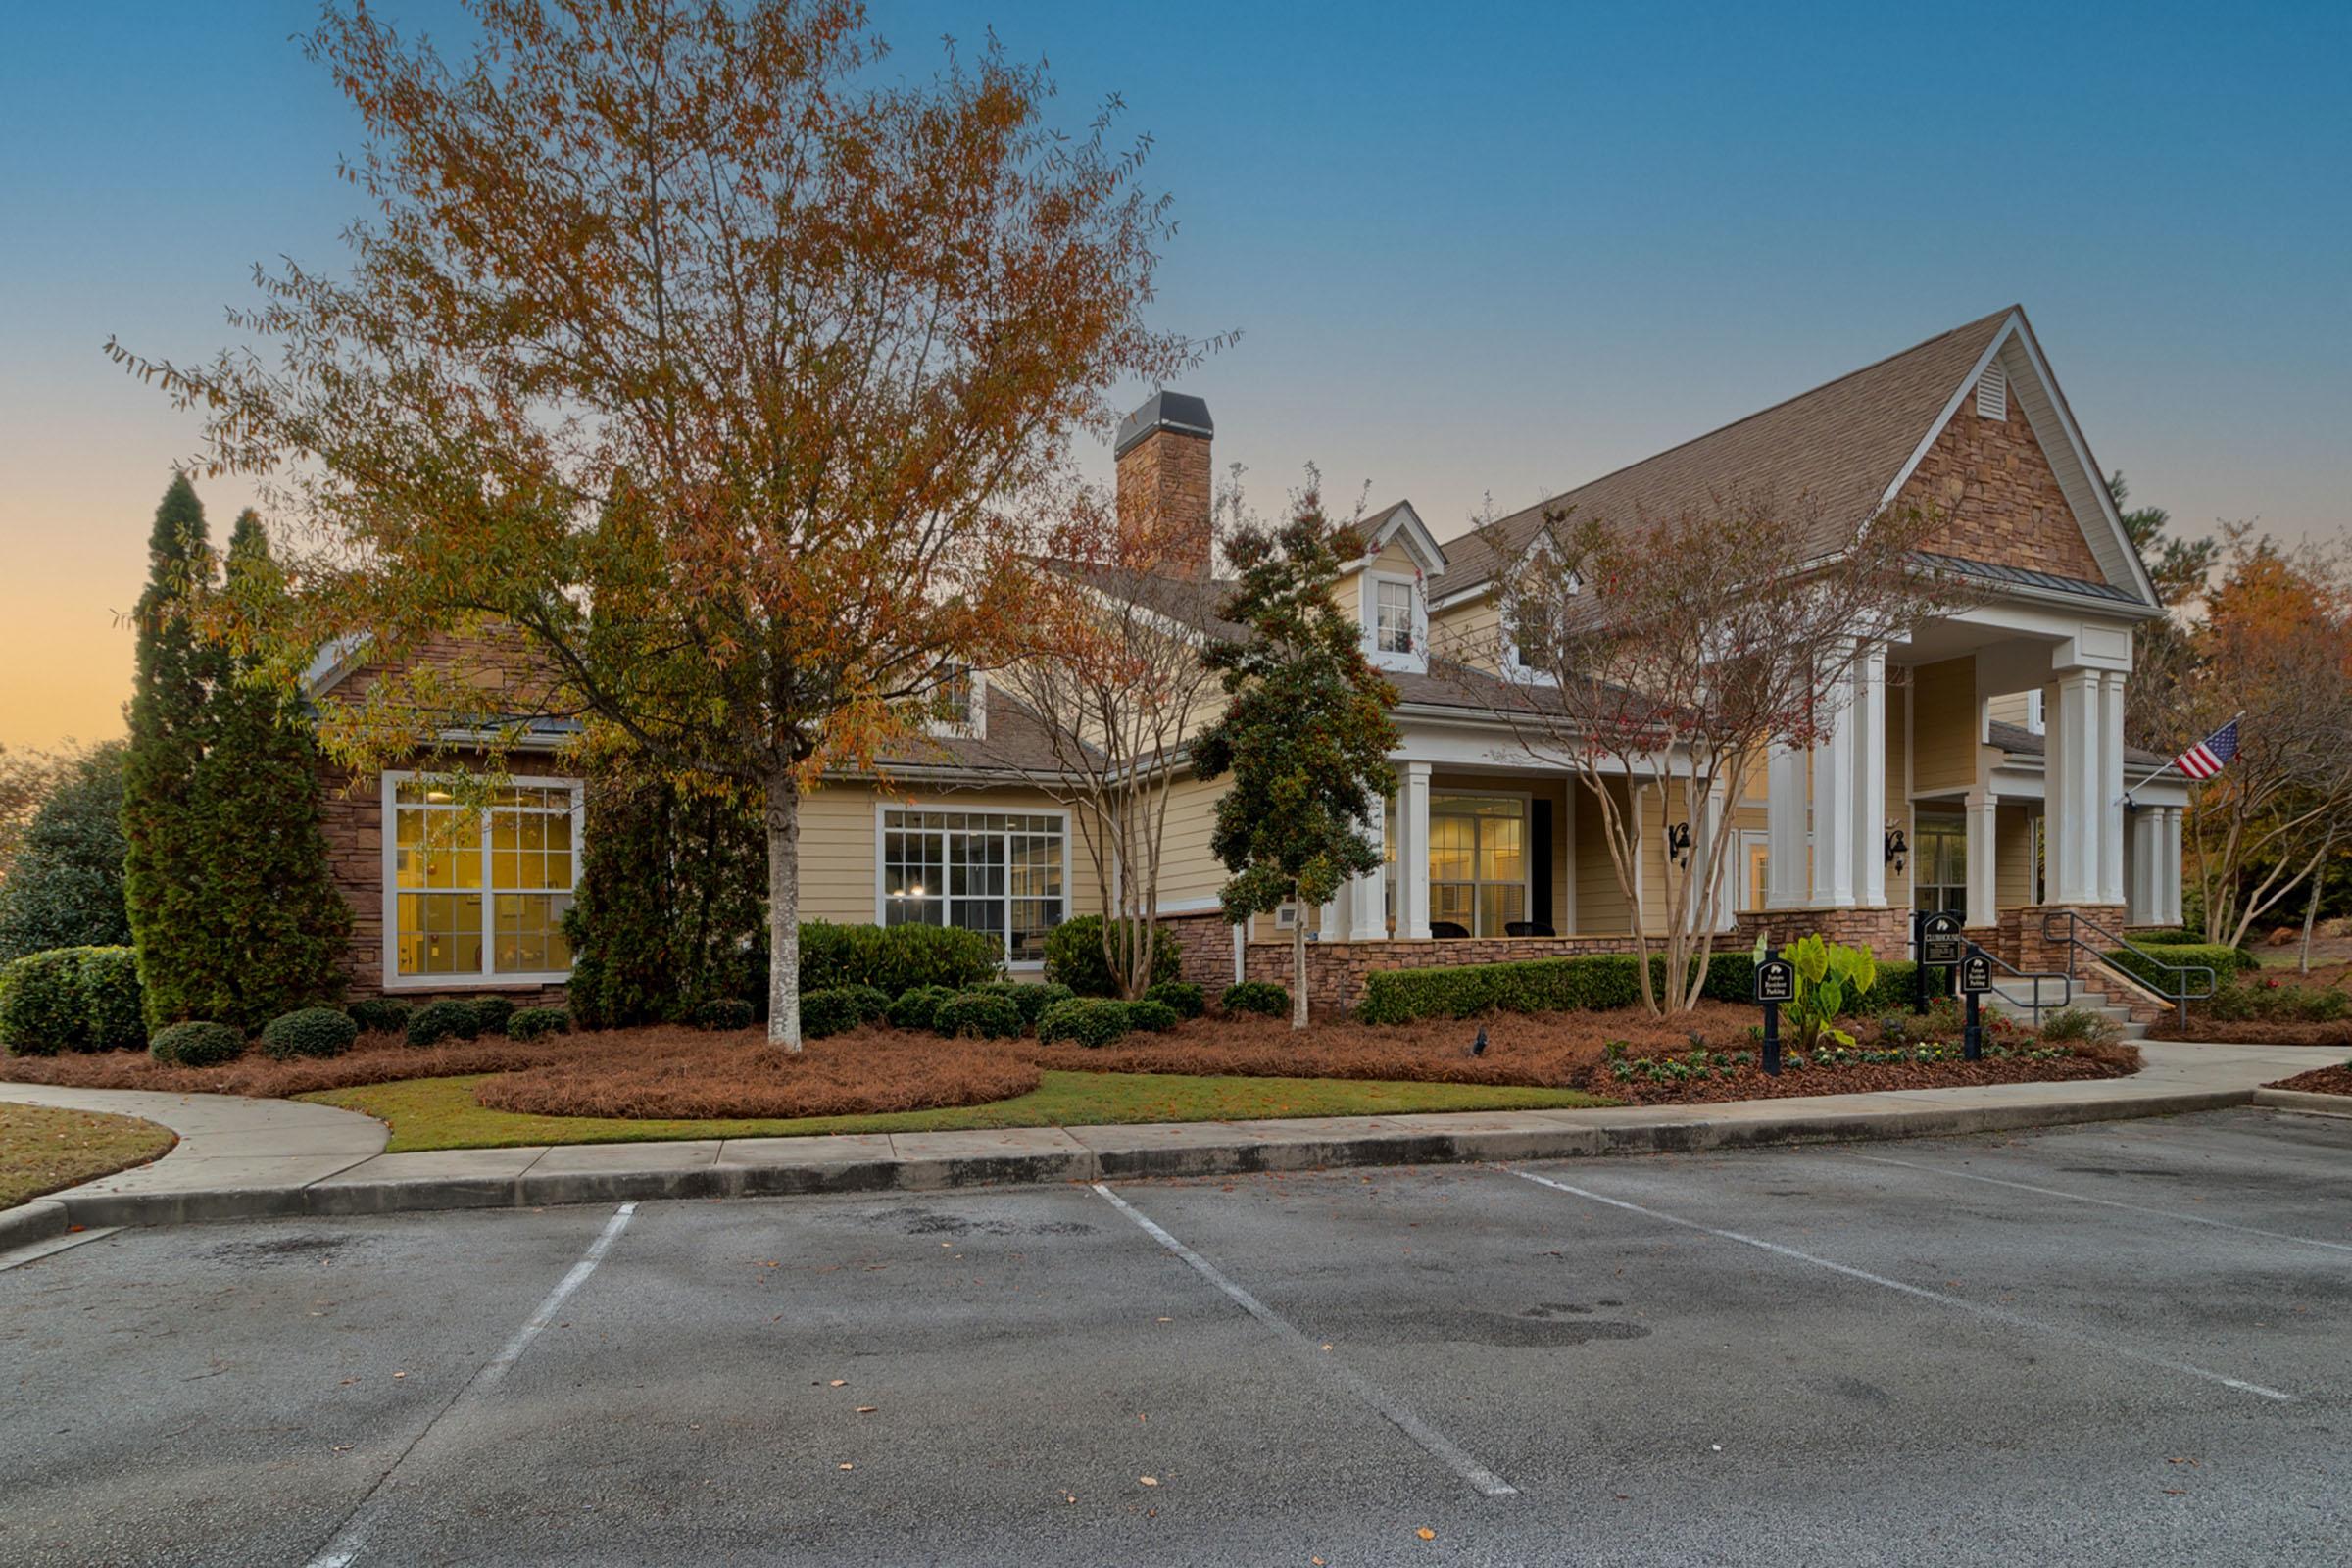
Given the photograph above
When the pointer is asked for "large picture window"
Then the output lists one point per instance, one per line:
(996, 872)
(478, 892)
(1478, 860)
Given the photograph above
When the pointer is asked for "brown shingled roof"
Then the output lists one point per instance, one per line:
(1841, 445)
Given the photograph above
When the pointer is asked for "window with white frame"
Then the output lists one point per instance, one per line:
(996, 872)
(959, 705)
(1392, 615)
(1478, 860)
(478, 892)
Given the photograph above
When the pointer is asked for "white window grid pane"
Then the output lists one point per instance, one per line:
(994, 871)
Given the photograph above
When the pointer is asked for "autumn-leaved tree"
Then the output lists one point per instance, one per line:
(1110, 668)
(1659, 660)
(1305, 733)
(2163, 649)
(710, 354)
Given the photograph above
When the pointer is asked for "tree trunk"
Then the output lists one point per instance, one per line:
(2311, 910)
(1298, 967)
(784, 910)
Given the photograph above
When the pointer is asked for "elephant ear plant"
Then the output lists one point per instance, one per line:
(1830, 978)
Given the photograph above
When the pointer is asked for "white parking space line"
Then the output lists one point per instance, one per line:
(1435, 1442)
(2013, 1320)
(351, 1539)
(2109, 1203)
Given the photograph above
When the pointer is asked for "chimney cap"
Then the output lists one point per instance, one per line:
(1180, 411)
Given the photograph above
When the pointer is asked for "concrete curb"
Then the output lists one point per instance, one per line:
(1569, 1134)
(2304, 1099)
(35, 1221)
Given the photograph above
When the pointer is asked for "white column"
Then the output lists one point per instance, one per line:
(2168, 866)
(2111, 788)
(1369, 891)
(1785, 886)
(1412, 850)
(1833, 807)
(1701, 910)
(1241, 970)
(2074, 775)
(2140, 832)
(1868, 710)
(1983, 860)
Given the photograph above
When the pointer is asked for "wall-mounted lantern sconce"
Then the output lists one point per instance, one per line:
(1677, 844)
(1897, 847)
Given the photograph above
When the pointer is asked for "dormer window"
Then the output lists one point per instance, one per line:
(1395, 622)
(959, 704)
(1393, 627)
(1534, 630)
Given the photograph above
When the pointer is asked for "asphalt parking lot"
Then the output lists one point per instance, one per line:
(2123, 1343)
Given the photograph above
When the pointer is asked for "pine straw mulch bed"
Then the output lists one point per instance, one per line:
(2252, 1031)
(688, 1074)
(2336, 1080)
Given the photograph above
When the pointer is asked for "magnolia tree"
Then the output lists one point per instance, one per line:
(1111, 670)
(1658, 660)
(703, 356)
(2275, 652)
(1306, 732)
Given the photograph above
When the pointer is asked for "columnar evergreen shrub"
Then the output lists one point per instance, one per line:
(1267, 996)
(977, 1014)
(1091, 1021)
(380, 1015)
(668, 915)
(65, 887)
(1188, 999)
(198, 1042)
(533, 1023)
(1074, 957)
(308, 1032)
(449, 1019)
(162, 871)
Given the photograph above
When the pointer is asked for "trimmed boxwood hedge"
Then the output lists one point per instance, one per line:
(72, 999)
(1188, 999)
(197, 1043)
(1594, 983)
(724, 1013)
(1074, 957)
(977, 1013)
(380, 1015)
(838, 1008)
(492, 1012)
(2225, 962)
(308, 1032)
(1091, 1021)
(894, 959)
(450, 1018)
(914, 1009)
(1268, 997)
(1029, 1001)
(1156, 1016)
(531, 1023)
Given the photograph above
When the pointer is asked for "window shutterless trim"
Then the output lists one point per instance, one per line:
(882, 810)
(484, 978)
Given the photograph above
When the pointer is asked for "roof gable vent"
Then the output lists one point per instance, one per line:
(1992, 393)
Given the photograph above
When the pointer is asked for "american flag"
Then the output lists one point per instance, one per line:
(2210, 755)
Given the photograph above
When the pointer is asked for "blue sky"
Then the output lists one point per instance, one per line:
(1499, 248)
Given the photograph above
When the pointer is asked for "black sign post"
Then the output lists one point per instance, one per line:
(1776, 983)
(1935, 941)
(1976, 978)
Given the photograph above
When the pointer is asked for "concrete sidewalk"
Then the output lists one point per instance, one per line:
(241, 1158)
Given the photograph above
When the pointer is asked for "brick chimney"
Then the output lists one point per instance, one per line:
(1164, 491)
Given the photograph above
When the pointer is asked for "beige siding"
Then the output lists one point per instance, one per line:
(2013, 856)
(840, 844)
(1943, 731)
(1601, 904)
(2009, 708)
(1188, 870)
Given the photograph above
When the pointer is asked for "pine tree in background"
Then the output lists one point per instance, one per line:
(176, 668)
(271, 931)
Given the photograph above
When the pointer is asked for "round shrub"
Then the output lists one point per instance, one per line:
(308, 1032)
(450, 1018)
(111, 1011)
(1188, 999)
(727, 1012)
(1030, 1001)
(914, 1008)
(492, 1013)
(2082, 1024)
(42, 1011)
(1257, 996)
(977, 1014)
(1088, 1021)
(1074, 957)
(1156, 1016)
(384, 1015)
(530, 1023)
(837, 1007)
(872, 1002)
(197, 1045)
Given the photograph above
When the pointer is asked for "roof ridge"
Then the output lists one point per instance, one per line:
(1732, 424)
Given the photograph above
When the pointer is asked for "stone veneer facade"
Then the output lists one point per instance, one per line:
(2000, 500)
(1885, 930)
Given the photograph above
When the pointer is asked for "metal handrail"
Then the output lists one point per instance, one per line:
(2180, 997)
(2066, 995)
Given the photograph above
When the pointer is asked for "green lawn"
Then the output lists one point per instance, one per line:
(441, 1114)
(44, 1148)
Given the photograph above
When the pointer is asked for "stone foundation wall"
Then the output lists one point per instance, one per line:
(1207, 943)
(1884, 929)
